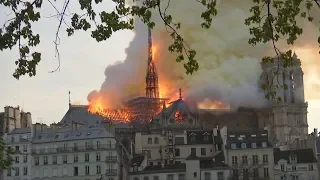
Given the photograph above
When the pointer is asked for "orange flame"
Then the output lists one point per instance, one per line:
(209, 104)
(154, 50)
(118, 115)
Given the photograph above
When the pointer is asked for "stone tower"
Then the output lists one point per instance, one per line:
(286, 120)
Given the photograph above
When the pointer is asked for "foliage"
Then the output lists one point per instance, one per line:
(270, 21)
(5, 156)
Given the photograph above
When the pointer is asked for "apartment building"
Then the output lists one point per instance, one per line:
(20, 141)
(295, 165)
(85, 152)
(250, 155)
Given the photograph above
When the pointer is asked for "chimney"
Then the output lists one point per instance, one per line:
(315, 132)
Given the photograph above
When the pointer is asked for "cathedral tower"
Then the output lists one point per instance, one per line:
(288, 119)
(152, 90)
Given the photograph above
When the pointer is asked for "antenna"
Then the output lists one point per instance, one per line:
(69, 99)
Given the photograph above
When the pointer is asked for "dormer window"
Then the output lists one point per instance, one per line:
(193, 139)
(149, 140)
(233, 146)
(293, 159)
(243, 145)
(206, 138)
(254, 145)
(264, 144)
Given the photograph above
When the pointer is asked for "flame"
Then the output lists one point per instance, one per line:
(213, 104)
(116, 115)
(154, 50)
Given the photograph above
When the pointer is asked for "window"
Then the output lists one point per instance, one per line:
(179, 140)
(98, 156)
(264, 144)
(57, 136)
(207, 176)
(244, 160)
(206, 138)
(282, 168)
(86, 157)
(155, 177)
(156, 140)
(65, 159)
(145, 178)
(255, 159)
(25, 171)
(147, 152)
(78, 134)
(66, 135)
(16, 171)
(203, 151)
(220, 176)
(266, 172)
(295, 177)
(255, 172)
(17, 148)
(293, 159)
(245, 173)
(87, 170)
(193, 139)
(25, 148)
(36, 161)
(149, 140)
(234, 160)
(170, 177)
(45, 160)
(54, 159)
(235, 173)
(75, 158)
(233, 146)
(9, 172)
(98, 169)
(17, 159)
(181, 177)
(310, 167)
(177, 152)
(195, 174)
(25, 159)
(254, 145)
(75, 171)
(243, 145)
(294, 168)
(265, 158)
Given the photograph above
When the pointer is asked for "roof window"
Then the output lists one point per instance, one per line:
(88, 133)
(57, 136)
(66, 135)
(78, 134)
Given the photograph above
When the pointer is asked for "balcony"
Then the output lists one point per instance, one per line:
(111, 172)
(74, 149)
(110, 159)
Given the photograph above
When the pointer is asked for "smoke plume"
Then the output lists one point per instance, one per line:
(229, 67)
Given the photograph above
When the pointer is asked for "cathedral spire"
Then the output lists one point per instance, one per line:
(152, 90)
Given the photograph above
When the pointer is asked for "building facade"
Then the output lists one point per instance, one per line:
(295, 165)
(250, 155)
(86, 152)
(20, 142)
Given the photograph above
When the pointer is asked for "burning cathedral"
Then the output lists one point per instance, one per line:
(285, 121)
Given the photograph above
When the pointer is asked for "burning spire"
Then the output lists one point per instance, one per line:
(152, 90)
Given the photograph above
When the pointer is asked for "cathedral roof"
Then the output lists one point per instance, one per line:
(178, 105)
(80, 114)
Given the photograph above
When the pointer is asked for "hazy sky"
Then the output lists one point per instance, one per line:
(83, 62)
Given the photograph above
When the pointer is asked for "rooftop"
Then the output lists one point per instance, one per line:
(303, 155)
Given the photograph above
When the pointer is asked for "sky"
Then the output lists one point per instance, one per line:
(83, 63)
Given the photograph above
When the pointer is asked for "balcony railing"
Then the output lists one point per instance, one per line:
(73, 149)
(110, 172)
(111, 158)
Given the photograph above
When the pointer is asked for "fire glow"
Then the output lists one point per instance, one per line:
(209, 104)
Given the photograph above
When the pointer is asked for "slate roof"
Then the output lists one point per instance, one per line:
(200, 137)
(180, 105)
(318, 144)
(21, 130)
(303, 155)
(80, 114)
(137, 159)
(248, 138)
(68, 134)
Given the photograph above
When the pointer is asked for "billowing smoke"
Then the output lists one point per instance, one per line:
(229, 67)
